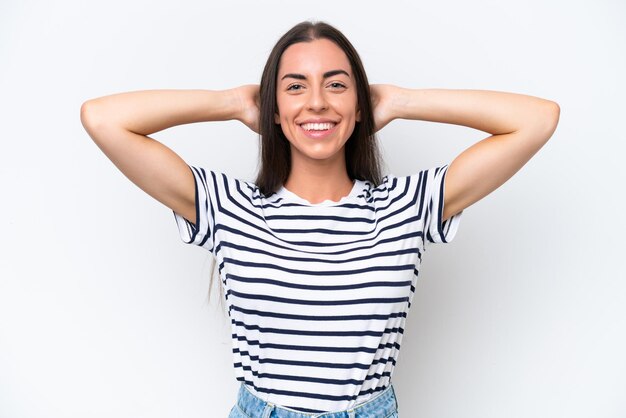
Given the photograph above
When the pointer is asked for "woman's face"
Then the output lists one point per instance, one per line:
(317, 100)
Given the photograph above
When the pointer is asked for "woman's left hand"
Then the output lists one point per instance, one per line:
(383, 96)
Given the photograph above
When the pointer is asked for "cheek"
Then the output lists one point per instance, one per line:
(348, 107)
(285, 112)
(286, 129)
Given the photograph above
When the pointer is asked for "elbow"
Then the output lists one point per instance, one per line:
(87, 112)
(548, 119)
(90, 115)
(553, 115)
(553, 112)
(92, 120)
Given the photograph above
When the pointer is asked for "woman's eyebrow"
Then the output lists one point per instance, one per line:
(326, 74)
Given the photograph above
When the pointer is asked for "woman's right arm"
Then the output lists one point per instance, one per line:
(120, 124)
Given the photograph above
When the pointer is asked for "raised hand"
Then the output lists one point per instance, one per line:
(248, 103)
(383, 96)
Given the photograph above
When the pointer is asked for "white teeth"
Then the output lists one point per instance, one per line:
(317, 126)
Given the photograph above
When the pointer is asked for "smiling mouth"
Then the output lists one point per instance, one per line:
(318, 126)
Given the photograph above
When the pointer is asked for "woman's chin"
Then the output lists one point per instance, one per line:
(319, 154)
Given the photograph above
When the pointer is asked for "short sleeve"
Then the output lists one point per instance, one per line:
(200, 233)
(436, 231)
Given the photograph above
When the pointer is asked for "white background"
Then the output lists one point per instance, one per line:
(104, 311)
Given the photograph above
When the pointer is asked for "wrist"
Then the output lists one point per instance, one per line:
(233, 104)
(402, 101)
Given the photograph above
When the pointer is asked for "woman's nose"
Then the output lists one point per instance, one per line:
(317, 100)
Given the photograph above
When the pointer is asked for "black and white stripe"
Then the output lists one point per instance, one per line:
(318, 294)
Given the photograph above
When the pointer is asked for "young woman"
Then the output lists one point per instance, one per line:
(319, 256)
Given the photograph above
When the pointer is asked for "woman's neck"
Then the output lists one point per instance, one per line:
(317, 181)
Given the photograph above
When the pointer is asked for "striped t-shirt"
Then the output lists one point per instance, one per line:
(318, 294)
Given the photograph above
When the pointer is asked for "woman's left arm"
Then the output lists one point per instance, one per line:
(519, 126)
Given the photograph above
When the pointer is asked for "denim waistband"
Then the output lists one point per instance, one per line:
(381, 405)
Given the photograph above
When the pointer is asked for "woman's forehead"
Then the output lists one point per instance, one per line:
(313, 58)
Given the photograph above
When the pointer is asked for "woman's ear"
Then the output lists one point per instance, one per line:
(358, 115)
(277, 118)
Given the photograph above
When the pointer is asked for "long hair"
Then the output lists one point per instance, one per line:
(362, 154)
(363, 160)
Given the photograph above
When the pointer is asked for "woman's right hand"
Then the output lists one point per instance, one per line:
(249, 103)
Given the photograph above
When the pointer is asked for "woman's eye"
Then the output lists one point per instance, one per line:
(294, 87)
(337, 85)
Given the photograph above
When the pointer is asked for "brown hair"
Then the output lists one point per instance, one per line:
(363, 158)
(362, 154)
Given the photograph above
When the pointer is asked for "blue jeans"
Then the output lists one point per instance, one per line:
(382, 405)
